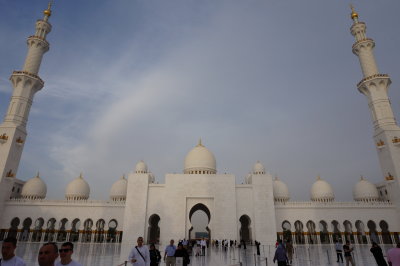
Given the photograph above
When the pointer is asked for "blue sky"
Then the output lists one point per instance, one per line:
(273, 81)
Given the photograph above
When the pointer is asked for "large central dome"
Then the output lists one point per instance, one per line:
(200, 161)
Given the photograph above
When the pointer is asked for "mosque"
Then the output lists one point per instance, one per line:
(258, 209)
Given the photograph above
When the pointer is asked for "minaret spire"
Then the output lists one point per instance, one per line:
(354, 14)
(26, 83)
(47, 12)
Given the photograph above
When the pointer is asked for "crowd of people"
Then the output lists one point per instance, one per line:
(140, 255)
(51, 255)
(284, 254)
(47, 256)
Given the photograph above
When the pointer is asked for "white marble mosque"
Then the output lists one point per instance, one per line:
(259, 208)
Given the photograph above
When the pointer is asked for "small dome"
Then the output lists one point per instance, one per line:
(77, 189)
(200, 161)
(322, 191)
(258, 168)
(365, 191)
(34, 188)
(118, 190)
(281, 191)
(141, 167)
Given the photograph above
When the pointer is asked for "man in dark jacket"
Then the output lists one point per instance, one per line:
(280, 254)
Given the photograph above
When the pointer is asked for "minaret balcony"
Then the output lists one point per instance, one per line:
(372, 77)
(366, 42)
(19, 73)
(38, 41)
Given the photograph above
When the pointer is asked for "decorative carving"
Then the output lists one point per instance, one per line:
(19, 141)
(380, 144)
(3, 138)
(389, 177)
(396, 141)
(10, 174)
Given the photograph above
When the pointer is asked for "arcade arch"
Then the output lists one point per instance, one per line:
(26, 226)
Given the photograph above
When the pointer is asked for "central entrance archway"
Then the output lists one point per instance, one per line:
(245, 231)
(153, 231)
(202, 208)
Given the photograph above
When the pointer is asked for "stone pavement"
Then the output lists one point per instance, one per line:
(110, 255)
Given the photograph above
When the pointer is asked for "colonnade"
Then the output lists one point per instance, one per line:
(62, 236)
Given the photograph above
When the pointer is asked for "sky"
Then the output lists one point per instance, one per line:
(273, 81)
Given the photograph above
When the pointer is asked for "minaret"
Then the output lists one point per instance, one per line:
(375, 85)
(25, 83)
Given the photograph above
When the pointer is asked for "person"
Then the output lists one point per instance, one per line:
(8, 253)
(243, 243)
(280, 254)
(48, 254)
(257, 247)
(66, 251)
(203, 245)
(347, 253)
(289, 252)
(197, 249)
(155, 255)
(181, 252)
(169, 254)
(393, 256)
(185, 243)
(139, 255)
(339, 251)
(378, 255)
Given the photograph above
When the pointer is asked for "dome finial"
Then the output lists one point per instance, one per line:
(362, 177)
(318, 177)
(81, 175)
(354, 14)
(123, 176)
(38, 175)
(200, 144)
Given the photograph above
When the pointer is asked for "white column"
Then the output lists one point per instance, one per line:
(355, 239)
(42, 236)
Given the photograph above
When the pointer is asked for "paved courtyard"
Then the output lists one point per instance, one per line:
(115, 254)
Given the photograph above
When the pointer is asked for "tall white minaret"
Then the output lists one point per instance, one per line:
(26, 83)
(375, 86)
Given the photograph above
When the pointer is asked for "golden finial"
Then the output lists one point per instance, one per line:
(81, 176)
(318, 177)
(362, 177)
(354, 14)
(47, 12)
(38, 175)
